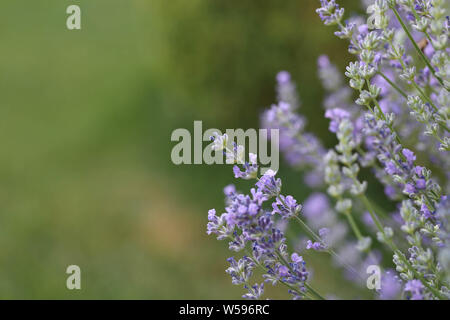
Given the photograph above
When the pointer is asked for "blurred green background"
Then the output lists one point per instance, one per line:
(85, 124)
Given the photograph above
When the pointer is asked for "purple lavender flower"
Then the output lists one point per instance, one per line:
(329, 12)
(317, 246)
(243, 209)
(316, 205)
(414, 289)
(269, 185)
(419, 171)
(286, 206)
(283, 77)
(218, 225)
(286, 91)
(229, 190)
(329, 74)
(409, 189)
(336, 116)
(254, 292)
(212, 214)
(250, 171)
(240, 271)
(390, 192)
(300, 148)
(282, 271)
(410, 156)
(425, 211)
(391, 167)
(421, 184)
(390, 285)
(296, 258)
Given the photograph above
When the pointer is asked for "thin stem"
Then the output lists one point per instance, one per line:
(421, 54)
(393, 84)
(354, 226)
(351, 221)
(330, 251)
(416, 86)
(308, 230)
(314, 292)
(416, 15)
(372, 213)
(377, 105)
(425, 97)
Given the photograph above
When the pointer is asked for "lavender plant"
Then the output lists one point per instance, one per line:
(397, 129)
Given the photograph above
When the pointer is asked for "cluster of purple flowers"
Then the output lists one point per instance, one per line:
(251, 226)
(398, 128)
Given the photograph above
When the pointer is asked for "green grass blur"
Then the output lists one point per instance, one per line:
(85, 124)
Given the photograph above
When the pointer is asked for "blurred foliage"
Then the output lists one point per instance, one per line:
(85, 124)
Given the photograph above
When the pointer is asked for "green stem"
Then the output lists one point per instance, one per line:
(416, 15)
(424, 96)
(421, 54)
(393, 84)
(372, 213)
(314, 292)
(354, 226)
(308, 230)
(350, 219)
(416, 86)
(377, 105)
(330, 251)
(383, 116)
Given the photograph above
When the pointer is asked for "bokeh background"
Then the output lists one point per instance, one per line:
(85, 124)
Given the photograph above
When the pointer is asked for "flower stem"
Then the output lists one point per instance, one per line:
(421, 54)
(393, 85)
(314, 292)
(330, 251)
(354, 226)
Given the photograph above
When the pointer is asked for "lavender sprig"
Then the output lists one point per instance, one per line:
(398, 128)
(246, 223)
